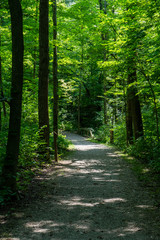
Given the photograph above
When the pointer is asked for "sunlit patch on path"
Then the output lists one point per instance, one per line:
(90, 195)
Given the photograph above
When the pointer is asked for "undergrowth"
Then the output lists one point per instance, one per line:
(143, 156)
(30, 162)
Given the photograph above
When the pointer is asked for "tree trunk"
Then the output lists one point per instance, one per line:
(100, 5)
(79, 108)
(55, 82)
(0, 81)
(134, 108)
(80, 85)
(9, 169)
(129, 128)
(43, 79)
(35, 48)
(112, 131)
(0, 117)
(133, 102)
(104, 36)
(105, 106)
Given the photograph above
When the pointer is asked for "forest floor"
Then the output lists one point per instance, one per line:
(91, 194)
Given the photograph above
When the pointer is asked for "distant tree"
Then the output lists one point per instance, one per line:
(104, 35)
(134, 116)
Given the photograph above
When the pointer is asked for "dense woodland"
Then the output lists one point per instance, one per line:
(73, 65)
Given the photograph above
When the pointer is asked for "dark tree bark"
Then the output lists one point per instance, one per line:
(134, 108)
(133, 103)
(0, 102)
(43, 79)
(35, 48)
(100, 5)
(129, 128)
(79, 107)
(105, 106)
(9, 169)
(55, 82)
(0, 117)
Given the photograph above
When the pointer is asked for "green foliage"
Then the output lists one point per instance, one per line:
(120, 135)
(68, 126)
(28, 147)
(5, 196)
(102, 134)
(2, 146)
(63, 143)
(94, 48)
(147, 150)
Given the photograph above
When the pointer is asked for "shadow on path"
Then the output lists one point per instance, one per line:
(91, 195)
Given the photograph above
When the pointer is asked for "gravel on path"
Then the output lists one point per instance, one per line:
(90, 195)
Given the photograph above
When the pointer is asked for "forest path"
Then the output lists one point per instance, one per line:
(91, 195)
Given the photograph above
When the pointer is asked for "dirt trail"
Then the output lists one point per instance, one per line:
(91, 195)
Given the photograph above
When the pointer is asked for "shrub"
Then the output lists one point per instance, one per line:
(102, 134)
(63, 143)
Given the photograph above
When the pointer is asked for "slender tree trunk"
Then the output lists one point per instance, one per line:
(105, 106)
(80, 85)
(111, 131)
(9, 169)
(100, 5)
(0, 117)
(79, 108)
(115, 104)
(104, 36)
(35, 48)
(43, 78)
(55, 82)
(137, 117)
(0, 81)
(129, 128)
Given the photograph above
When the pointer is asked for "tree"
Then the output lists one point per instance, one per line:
(104, 35)
(55, 82)
(9, 170)
(0, 82)
(134, 118)
(35, 47)
(79, 48)
(133, 103)
(43, 79)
